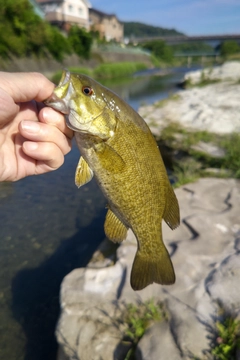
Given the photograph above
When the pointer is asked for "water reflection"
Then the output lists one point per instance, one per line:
(48, 227)
(35, 291)
(145, 89)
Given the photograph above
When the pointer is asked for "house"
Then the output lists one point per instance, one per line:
(108, 25)
(65, 13)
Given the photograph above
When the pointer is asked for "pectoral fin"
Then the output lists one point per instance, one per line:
(171, 213)
(83, 173)
(114, 229)
(109, 159)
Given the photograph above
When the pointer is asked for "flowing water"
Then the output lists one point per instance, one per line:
(49, 227)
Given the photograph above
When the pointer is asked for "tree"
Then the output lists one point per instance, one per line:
(80, 41)
(160, 49)
(229, 47)
(24, 33)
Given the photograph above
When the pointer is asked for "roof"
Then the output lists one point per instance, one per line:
(102, 14)
(88, 4)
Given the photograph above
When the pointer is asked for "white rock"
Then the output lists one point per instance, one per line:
(223, 283)
(228, 71)
(158, 344)
(206, 259)
(214, 108)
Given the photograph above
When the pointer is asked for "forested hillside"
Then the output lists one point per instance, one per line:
(140, 30)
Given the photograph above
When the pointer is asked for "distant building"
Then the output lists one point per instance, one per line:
(107, 25)
(65, 13)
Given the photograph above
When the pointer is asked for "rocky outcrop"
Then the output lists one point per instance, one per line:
(229, 71)
(205, 252)
(214, 108)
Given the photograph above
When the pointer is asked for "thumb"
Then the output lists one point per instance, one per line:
(8, 108)
(24, 87)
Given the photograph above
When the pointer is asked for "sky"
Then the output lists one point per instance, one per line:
(192, 17)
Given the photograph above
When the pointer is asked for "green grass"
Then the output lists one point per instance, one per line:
(163, 102)
(81, 70)
(137, 318)
(117, 70)
(227, 340)
(105, 71)
(205, 80)
(188, 164)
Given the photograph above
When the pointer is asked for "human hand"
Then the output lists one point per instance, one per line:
(33, 138)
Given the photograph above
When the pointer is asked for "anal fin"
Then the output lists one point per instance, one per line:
(114, 229)
(171, 213)
(83, 173)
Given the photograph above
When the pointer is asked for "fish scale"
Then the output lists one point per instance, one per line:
(118, 148)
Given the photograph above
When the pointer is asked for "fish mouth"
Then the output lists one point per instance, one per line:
(57, 104)
(57, 100)
(65, 78)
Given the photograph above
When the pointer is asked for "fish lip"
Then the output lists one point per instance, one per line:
(66, 76)
(57, 104)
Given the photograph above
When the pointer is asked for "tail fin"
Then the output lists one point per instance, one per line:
(148, 269)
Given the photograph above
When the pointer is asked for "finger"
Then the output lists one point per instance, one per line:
(24, 87)
(48, 156)
(39, 132)
(52, 117)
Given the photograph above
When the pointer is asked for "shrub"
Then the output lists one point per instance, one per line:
(80, 41)
(229, 47)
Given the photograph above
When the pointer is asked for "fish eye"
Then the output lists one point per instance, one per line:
(87, 90)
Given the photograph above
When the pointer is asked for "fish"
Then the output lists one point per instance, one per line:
(119, 150)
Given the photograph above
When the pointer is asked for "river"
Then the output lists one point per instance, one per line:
(48, 228)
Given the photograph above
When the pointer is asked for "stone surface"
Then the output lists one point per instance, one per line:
(228, 71)
(205, 251)
(205, 254)
(209, 149)
(158, 343)
(223, 283)
(214, 108)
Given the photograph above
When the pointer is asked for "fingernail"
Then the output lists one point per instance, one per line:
(30, 145)
(32, 127)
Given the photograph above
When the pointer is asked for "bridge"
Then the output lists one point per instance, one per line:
(203, 55)
(184, 38)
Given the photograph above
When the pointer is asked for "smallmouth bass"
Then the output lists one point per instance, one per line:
(118, 148)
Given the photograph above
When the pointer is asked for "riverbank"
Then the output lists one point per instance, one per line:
(204, 249)
(48, 65)
(211, 103)
(198, 128)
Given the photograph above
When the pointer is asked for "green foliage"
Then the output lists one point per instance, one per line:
(80, 41)
(57, 76)
(116, 70)
(229, 47)
(56, 43)
(140, 30)
(191, 164)
(228, 339)
(192, 47)
(160, 50)
(232, 158)
(24, 33)
(138, 318)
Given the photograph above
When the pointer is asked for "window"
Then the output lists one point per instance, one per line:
(70, 8)
(80, 11)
